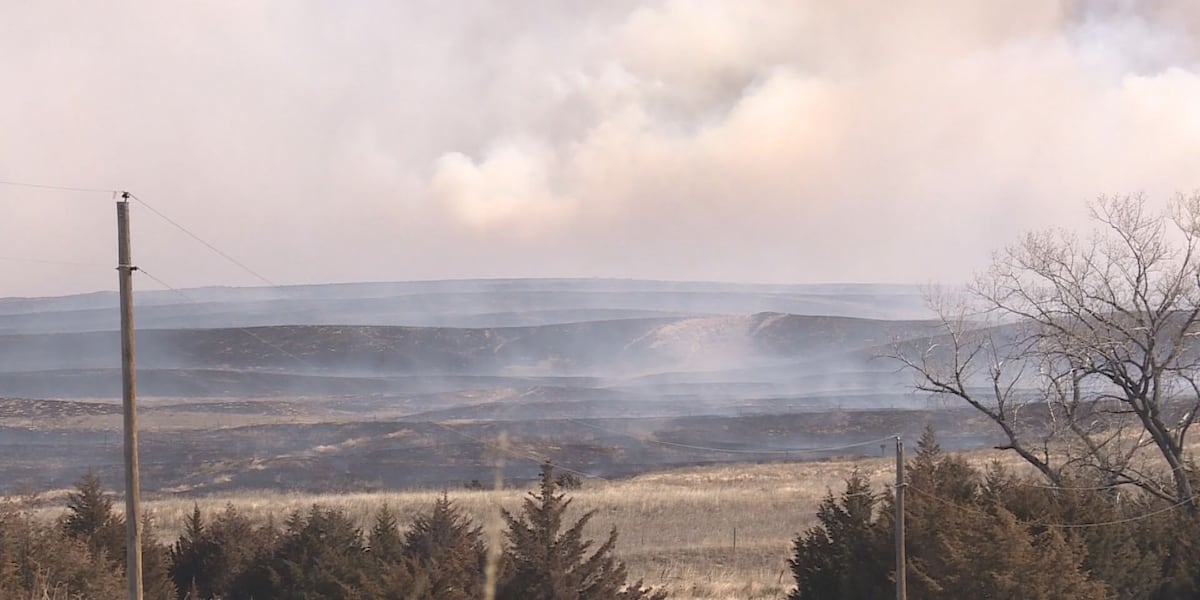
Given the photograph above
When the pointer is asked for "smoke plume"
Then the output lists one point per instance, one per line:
(766, 140)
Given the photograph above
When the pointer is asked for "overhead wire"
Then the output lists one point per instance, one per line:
(783, 451)
(247, 331)
(981, 514)
(244, 330)
(492, 444)
(203, 241)
(236, 263)
(1141, 517)
(1084, 488)
(515, 454)
(63, 188)
(46, 261)
(162, 215)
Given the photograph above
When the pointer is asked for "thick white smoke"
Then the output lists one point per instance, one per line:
(766, 140)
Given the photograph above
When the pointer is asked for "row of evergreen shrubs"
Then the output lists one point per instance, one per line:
(317, 554)
(987, 533)
(972, 533)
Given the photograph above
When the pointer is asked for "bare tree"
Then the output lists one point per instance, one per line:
(1083, 351)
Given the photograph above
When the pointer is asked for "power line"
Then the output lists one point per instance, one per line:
(46, 261)
(301, 360)
(513, 453)
(1160, 511)
(244, 330)
(1088, 488)
(241, 266)
(984, 515)
(204, 242)
(64, 188)
(315, 369)
(785, 451)
(159, 213)
(847, 496)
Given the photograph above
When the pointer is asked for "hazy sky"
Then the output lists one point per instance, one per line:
(743, 140)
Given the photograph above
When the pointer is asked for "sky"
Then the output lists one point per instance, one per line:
(773, 141)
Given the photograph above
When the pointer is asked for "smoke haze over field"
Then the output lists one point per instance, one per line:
(748, 140)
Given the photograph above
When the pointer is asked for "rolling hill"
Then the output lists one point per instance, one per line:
(238, 383)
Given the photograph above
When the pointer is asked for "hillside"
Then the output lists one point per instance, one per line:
(396, 385)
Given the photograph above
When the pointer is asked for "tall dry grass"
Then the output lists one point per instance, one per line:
(719, 532)
(703, 533)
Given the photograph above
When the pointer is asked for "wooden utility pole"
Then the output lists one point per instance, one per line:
(133, 500)
(901, 562)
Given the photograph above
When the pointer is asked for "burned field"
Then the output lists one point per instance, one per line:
(643, 376)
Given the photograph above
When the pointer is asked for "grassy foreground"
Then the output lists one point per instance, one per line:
(718, 532)
(702, 533)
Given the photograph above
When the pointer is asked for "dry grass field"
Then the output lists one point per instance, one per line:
(677, 528)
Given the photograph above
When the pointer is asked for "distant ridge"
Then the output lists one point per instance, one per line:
(457, 303)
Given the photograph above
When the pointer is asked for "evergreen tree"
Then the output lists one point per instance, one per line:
(544, 561)
(189, 557)
(941, 499)
(38, 561)
(999, 558)
(962, 541)
(1175, 539)
(320, 556)
(390, 573)
(1117, 555)
(216, 553)
(91, 520)
(840, 556)
(448, 551)
(384, 541)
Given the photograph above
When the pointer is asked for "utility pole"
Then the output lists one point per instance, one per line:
(133, 500)
(901, 562)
